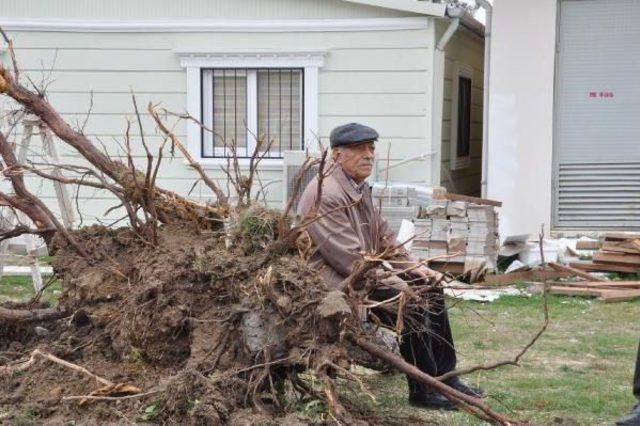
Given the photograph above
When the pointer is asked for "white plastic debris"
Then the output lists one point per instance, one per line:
(514, 244)
(406, 233)
(516, 265)
(483, 295)
(531, 256)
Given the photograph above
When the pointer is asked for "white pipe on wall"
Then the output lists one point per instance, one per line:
(485, 101)
(437, 98)
(451, 29)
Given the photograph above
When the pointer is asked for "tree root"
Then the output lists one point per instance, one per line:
(109, 391)
(31, 315)
(468, 403)
(49, 357)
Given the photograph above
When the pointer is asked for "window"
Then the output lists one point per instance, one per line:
(464, 116)
(461, 117)
(243, 94)
(242, 104)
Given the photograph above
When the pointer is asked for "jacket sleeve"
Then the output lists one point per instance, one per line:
(334, 238)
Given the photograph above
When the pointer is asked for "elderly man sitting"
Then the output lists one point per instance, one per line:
(351, 225)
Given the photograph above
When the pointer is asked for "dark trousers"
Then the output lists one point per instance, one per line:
(426, 342)
(636, 377)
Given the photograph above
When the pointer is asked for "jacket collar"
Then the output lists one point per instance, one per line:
(347, 184)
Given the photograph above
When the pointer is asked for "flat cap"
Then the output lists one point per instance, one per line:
(352, 133)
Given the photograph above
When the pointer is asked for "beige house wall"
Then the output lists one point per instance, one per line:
(466, 49)
(521, 113)
(379, 77)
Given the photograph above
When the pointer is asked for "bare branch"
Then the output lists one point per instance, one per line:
(16, 70)
(86, 119)
(473, 405)
(222, 199)
(22, 230)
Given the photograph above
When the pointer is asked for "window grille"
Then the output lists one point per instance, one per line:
(241, 105)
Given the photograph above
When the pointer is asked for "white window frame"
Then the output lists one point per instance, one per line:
(194, 61)
(459, 70)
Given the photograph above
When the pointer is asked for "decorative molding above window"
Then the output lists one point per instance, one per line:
(243, 71)
(204, 25)
(461, 101)
(265, 58)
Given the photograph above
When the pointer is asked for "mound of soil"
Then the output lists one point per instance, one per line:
(209, 333)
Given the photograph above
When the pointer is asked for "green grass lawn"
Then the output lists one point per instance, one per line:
(578, 373)
(20, 289)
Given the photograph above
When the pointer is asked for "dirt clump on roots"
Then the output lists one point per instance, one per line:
(211, 325)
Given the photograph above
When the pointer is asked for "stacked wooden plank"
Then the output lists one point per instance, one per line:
(616, 252)
(592, 286)
(462, 236)
(608, 291)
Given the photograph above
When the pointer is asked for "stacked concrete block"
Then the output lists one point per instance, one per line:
(394, 203)
(466, 233)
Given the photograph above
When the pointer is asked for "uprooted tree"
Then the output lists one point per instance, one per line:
(196, 311)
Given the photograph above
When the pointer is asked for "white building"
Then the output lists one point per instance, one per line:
(291, 70)
(564, 115)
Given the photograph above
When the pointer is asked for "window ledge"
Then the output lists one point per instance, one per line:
(215, 163)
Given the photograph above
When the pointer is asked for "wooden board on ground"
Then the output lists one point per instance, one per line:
(531, 275)
(605, 267)
(611, 296)
(607, 295)
(574, 271)
(602, 257)
(574, 291)
(604, 284)
(618, 248)
(588, 245)
(621, 236)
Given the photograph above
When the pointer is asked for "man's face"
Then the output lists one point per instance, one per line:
(356, 160)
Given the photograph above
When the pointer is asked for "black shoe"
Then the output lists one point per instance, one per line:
(432, 400)
(461, 386)
(633, 419)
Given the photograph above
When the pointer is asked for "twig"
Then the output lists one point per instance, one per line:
(222, 199)
(37, 353)
(16, 70)
(321, 176)
(22, 230)
(71, 366)
(108, 398)
(86, 119)
(306, 165)
(253, 367)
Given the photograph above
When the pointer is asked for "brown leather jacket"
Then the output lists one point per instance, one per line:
(350, 225)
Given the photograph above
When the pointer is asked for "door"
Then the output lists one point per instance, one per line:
(597, 115)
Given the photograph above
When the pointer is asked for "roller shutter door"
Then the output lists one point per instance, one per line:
(597, 115)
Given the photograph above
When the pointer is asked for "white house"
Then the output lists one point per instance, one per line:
(564, 116)
(290, 70)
